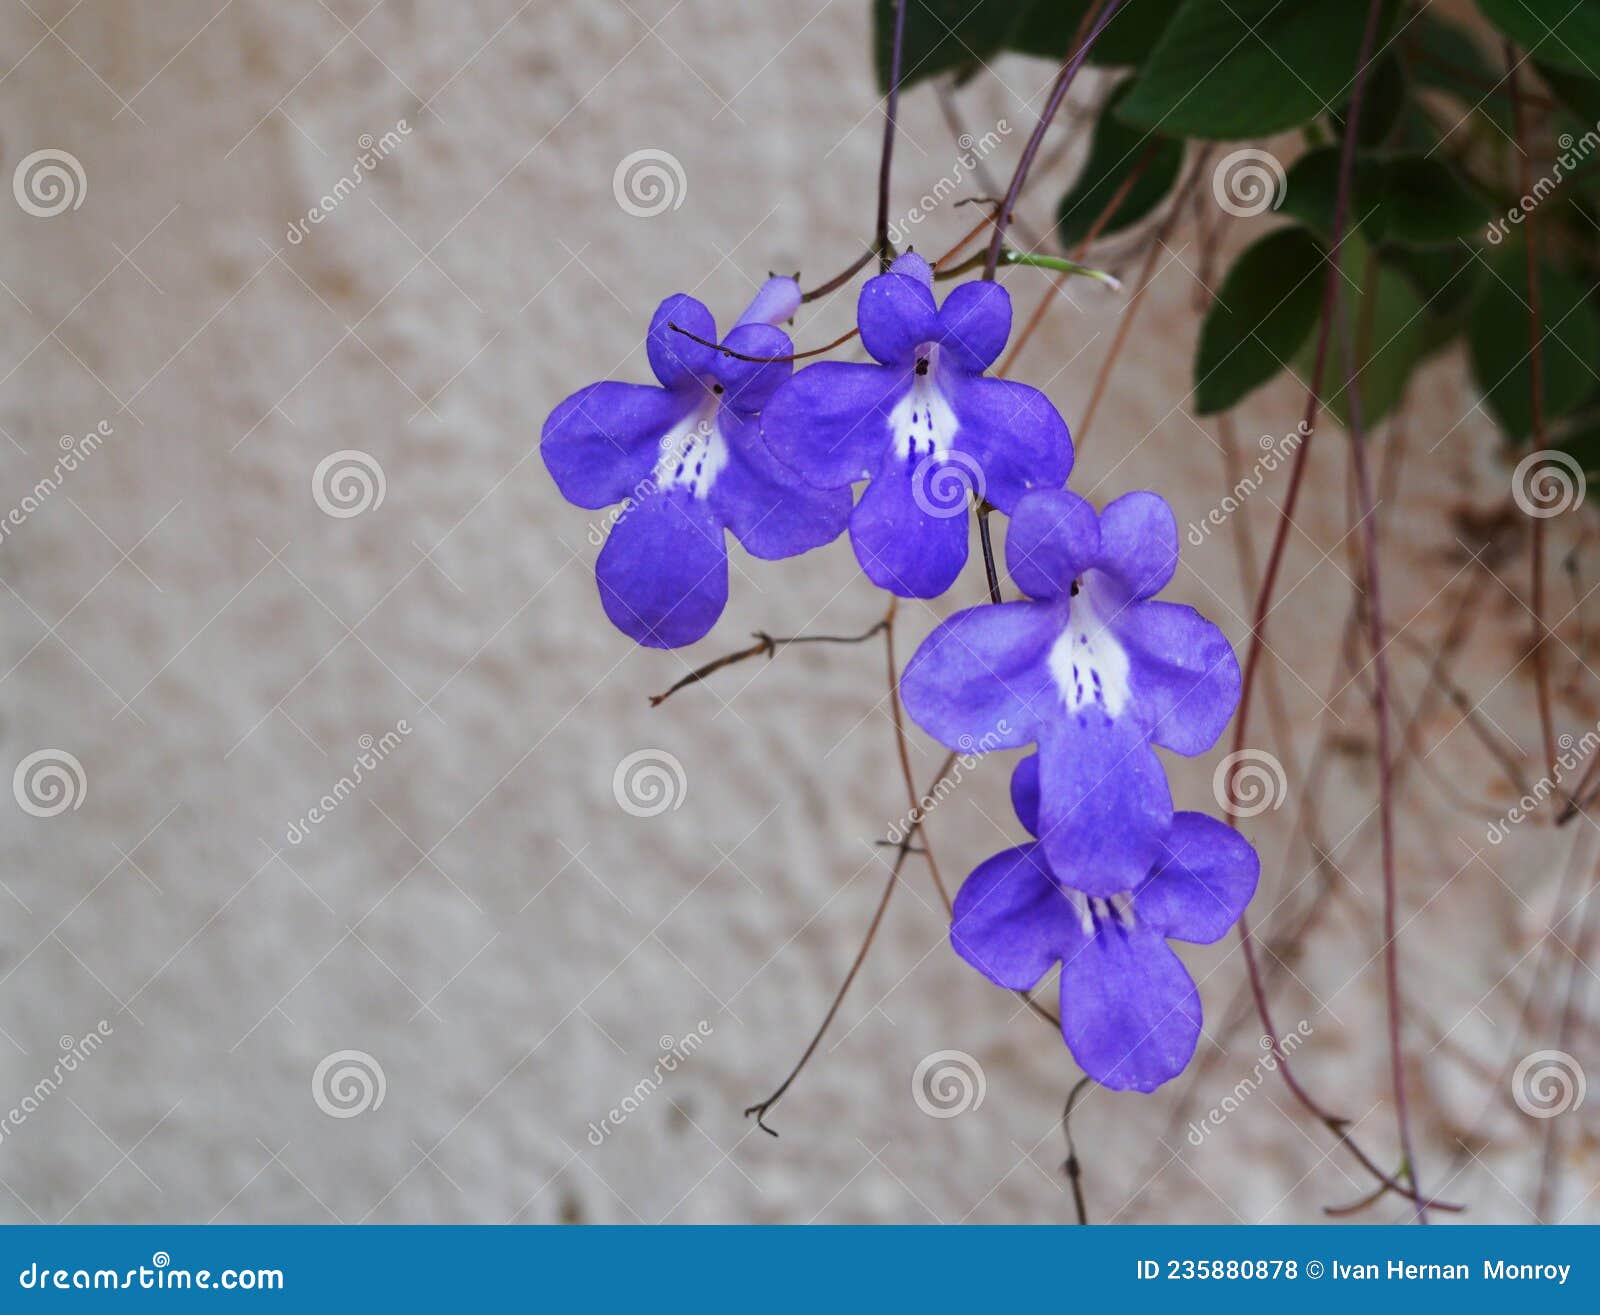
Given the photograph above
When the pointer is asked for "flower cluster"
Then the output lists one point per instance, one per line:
(1089, 666)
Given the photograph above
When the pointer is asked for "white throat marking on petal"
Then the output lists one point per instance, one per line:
(693, 451)
(922, 422)
(1088, 664)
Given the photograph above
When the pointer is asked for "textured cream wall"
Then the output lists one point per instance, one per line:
(480, 917)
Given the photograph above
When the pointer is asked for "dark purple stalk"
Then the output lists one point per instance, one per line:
(886, 159)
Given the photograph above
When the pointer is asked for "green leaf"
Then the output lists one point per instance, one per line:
(1389, 332)
(1562, 33)
(1498, 336)
(1410, 200)
(1248, 68)
(940, 35)
(1265, 310)
(1048, 26)
(1449, 59)
(1381, 102)
(1447, 279)
(1114, 153)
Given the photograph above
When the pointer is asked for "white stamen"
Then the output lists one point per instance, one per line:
(1087, 662)
(693, 452)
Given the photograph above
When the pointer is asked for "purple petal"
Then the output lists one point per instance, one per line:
(896, 314)
(1139, 543)
(1014, 432)
(1182, 672)
(674, 357)
(663, 574)
(749, 384)
(982, 681)
(1011, 921)
(1025, 793)
(1202, 882)
(1105, 807)
(902, 546)
(974, 323)
(770, 512)
(1052, 539)
(603, 441)
(830, 423)
(1130, 1012)
(913, 266)
(776, 301)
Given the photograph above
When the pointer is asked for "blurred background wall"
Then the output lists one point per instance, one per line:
(424, 1006)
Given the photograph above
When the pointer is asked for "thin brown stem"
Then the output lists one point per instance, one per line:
(765, 646)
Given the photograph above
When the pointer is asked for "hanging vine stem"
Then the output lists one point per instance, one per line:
(1530, 243)
(765, 646)
(1339, 1127)
(1058, 93)
(1072, 1168)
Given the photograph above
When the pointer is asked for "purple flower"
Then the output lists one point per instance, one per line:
(1094, 672)
(1130, 1012)
(687, 461)
(924, 425)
